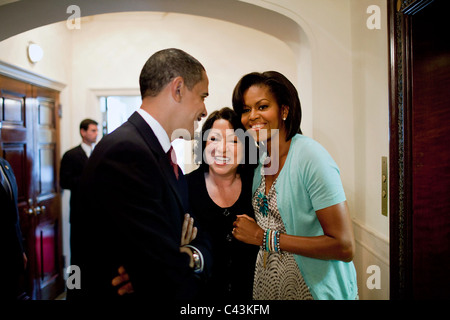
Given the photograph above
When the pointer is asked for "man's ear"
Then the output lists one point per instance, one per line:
(177, 87)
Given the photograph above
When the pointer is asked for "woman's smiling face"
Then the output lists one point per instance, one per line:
(261, 113)
(223, 151)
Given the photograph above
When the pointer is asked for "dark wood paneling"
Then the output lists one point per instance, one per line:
(419, 152)
(431, 152)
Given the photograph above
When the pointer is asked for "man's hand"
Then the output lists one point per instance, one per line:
(189, 252)
(188, 234)
(188, 231)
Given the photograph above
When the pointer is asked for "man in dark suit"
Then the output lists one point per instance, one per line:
(132, 202)
(13, 256)
(74, 161)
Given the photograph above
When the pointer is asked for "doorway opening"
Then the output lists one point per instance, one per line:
(116, 109)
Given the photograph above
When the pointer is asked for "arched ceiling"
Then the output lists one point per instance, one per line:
(20, 16)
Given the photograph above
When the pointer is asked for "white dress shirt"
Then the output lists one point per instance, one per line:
(87, 148)
(158, 130)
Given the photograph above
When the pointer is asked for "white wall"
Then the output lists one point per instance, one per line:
(327, 26)
(338, 65)
(371, 141)
(350, 113)
(55, 65)
(110, 49)
(106, 55)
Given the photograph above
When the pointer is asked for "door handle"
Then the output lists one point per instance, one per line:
(39, 209)
(30, 210)
(35, 211)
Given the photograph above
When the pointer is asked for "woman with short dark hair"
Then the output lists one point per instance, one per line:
(219, 191)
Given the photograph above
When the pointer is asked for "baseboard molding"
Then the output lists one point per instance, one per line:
(372, 241)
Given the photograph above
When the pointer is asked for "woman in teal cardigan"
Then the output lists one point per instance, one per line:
(302, 222)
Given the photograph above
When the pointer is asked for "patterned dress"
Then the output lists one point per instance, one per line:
(277, 276)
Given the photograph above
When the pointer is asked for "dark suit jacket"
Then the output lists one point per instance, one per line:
(72, 165)
(10, 233)
(70, 172)
(132, 213)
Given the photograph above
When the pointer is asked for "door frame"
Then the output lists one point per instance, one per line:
(400, 13)
(24, 75)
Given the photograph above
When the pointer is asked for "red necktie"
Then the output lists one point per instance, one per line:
(173, 160)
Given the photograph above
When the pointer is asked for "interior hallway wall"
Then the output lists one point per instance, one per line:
(106, 55)
(56, 65)
(350, 113)
(371, 140)
(110, 49)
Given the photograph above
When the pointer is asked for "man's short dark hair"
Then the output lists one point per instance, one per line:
(165, 65)
(86, 122)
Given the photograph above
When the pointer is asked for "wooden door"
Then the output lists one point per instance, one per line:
(430, 144)
(29, 141)
(420, 152)
(16, 146)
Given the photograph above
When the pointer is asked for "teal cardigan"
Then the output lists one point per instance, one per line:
(310, 181)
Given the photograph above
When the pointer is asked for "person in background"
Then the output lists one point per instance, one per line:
(14, 259)
(74, 161)
(302, 226)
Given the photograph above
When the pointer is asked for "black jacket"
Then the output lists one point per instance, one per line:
(72, 165)
(12, 264)
(130, 213)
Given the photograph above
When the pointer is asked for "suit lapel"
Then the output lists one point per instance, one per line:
(82, 153)
(150, 138)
